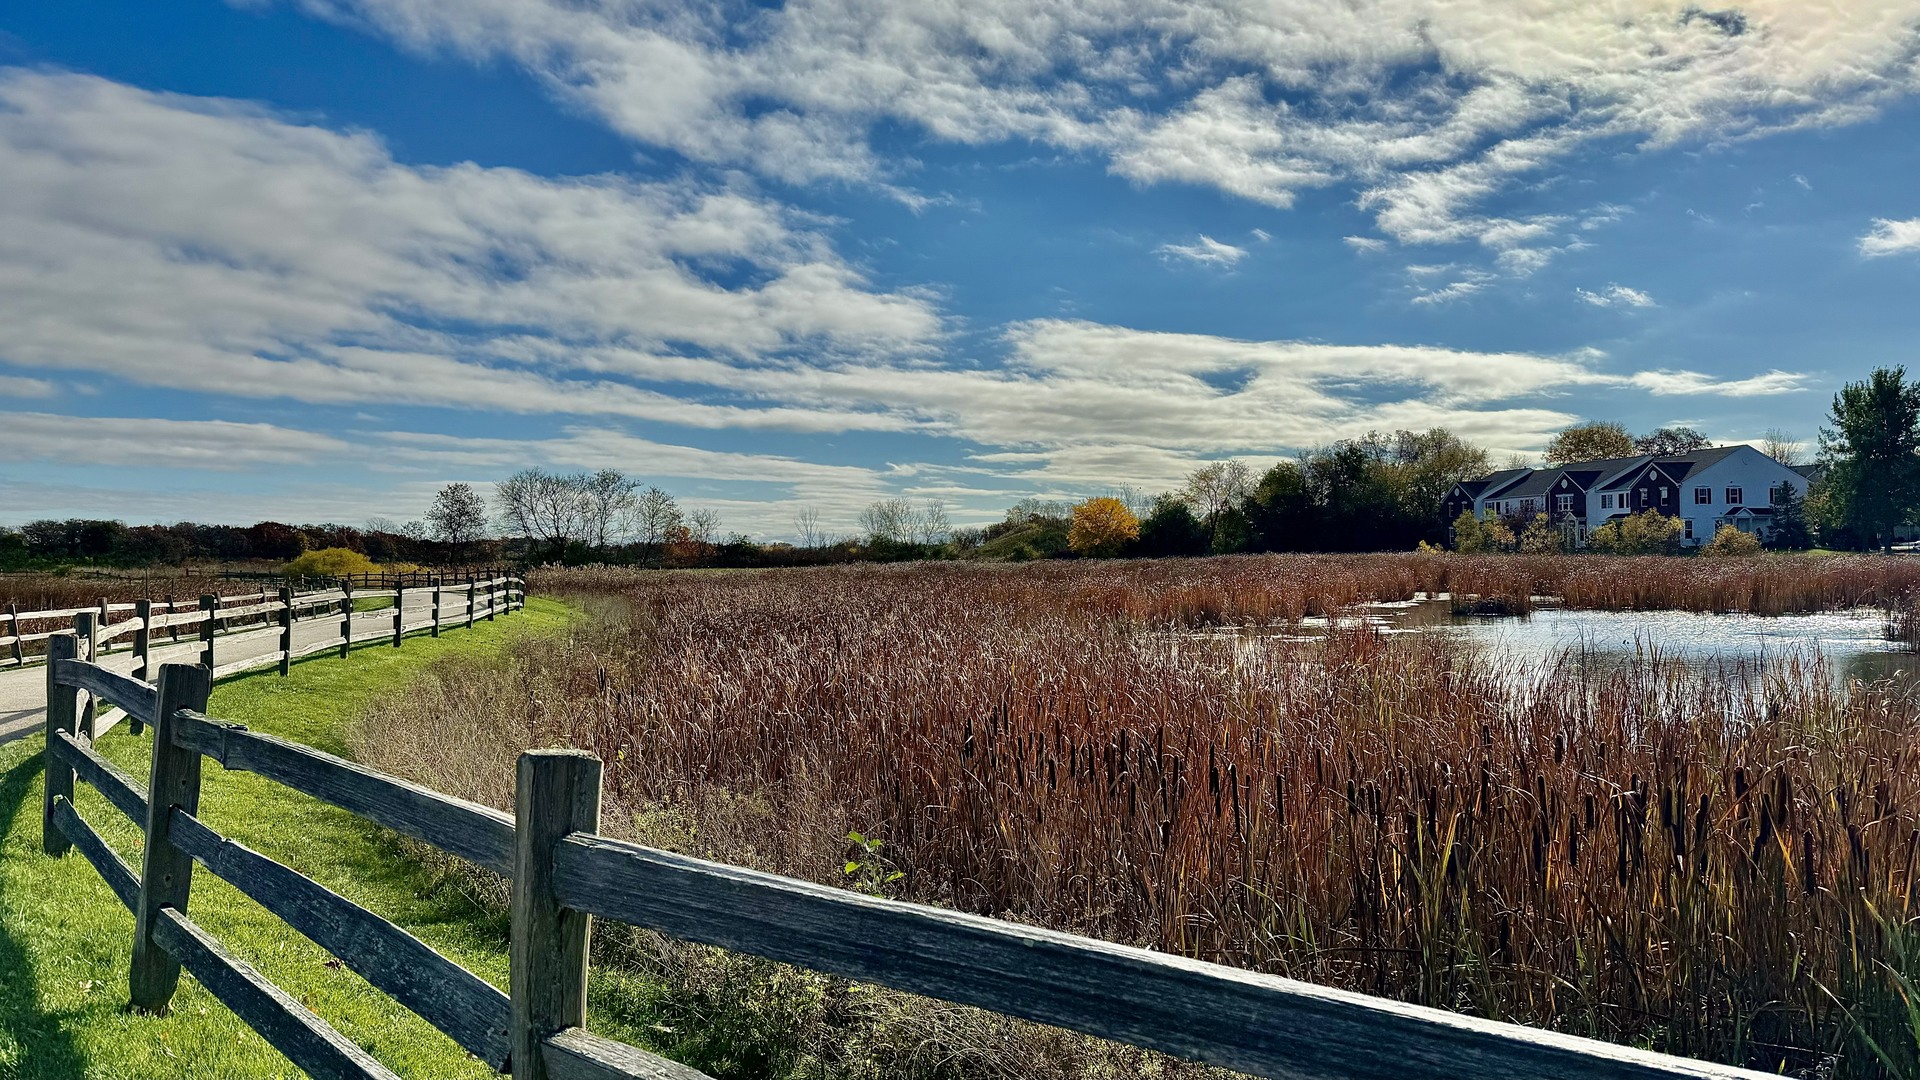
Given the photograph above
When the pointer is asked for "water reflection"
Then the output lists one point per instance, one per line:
(1599, 641)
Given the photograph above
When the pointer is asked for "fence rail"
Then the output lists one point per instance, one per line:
(229, 614)
(563, 873)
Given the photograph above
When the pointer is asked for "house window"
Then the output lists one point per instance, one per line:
(1663, 494)
(1606, 502)
(1689, 528)
(1733, 496)
(1563, 503)
(1526, 506)
(1703, 495)
(1770, 494)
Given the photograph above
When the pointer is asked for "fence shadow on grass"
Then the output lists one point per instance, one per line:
(33, 1042)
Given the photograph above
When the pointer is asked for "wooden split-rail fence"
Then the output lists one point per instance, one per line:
(143, 625)
(563, 873)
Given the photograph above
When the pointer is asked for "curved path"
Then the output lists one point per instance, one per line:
(23, 691)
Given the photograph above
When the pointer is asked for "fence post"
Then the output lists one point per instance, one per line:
(142, 652)
(173, 628)
(399, 611)
(469, 601)
(13, 620)
(63, 714)
(436, 606)
(286, 629)
(557, 792)
(208, 606)
(166, 873)
(86, 631)
(493, 595)
(346, 616)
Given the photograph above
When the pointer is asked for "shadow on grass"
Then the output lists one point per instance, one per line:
(33, 1043)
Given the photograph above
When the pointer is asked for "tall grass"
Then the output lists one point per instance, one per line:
(1722, 867)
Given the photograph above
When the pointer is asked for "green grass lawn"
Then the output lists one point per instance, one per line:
(65, 939)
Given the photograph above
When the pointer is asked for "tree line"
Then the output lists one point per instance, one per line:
(1383, 491)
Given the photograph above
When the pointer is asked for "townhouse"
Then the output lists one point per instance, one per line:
(1705, 489)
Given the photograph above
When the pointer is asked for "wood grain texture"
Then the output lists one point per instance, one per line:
(209, 615)
(107, 862)
(471, 1011)
(479, 834)
(137, 698)
(123, 791)
(166, 873)
(142, 652)
(578, 1054)
(88, 652)
(286, 630)
(557, 792)
(63, 717)
(1252, 1023)
(308, 1042)
(346, 620)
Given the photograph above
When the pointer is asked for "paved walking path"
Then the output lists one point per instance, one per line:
(23, 691)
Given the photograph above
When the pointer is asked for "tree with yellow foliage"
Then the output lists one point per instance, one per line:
(330, 562)
(1102, 527)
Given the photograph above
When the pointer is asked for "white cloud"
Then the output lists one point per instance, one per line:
(1891, 237)
(146, 442)
(1206, 251)
(1430, 107)
(1615, 295)
(15, 386)
(1435, 285)
(1664, 383)
(1365, 244)
(208, 245)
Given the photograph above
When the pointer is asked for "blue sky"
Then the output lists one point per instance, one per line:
(309, 260)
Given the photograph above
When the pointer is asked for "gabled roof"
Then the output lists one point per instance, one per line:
(1615, 473)
(1498, 482)
(1676, 467)
(1537, 483)
(1813, 472)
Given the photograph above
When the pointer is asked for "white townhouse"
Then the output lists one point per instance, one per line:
(1705, 489)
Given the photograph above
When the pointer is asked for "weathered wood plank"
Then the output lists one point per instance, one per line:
(285, 659)
(578, 1054)
(166, 873)
(1252, 1023)
(121, 790)
(112, 868)
(252, 662)
(108, 633)
(209, 615)
(142, 651)
(294, 1031)
(557, 792)
(471, 1011)
(63, 717)
(137, 698)
(479, 834)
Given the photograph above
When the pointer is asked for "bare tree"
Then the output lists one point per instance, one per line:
(1213, 488)
(608, 501)
(655, 516)
(888, 520)
(1783, 447)
(543, 506)
(931, 525)
(806, 523)
(702, 526)
(457, 518)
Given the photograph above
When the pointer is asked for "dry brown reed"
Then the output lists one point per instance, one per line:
(1720, 867)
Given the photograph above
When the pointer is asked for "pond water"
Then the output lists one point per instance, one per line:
(1851, 641)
